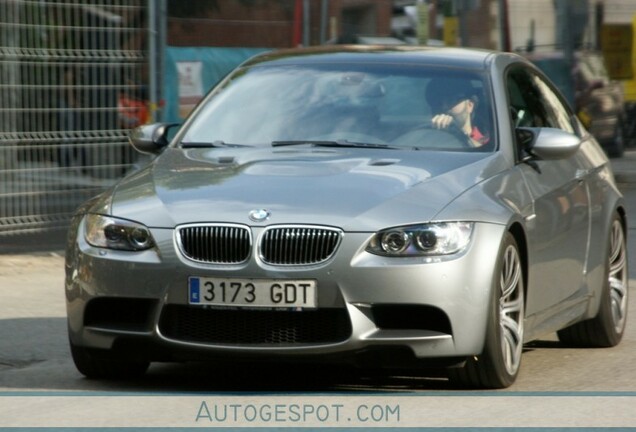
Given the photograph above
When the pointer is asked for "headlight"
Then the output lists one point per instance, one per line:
(112, 233)
(442, 238)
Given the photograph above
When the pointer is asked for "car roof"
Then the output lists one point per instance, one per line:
(343, 54)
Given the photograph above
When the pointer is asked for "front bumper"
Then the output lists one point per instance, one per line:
(429, 308)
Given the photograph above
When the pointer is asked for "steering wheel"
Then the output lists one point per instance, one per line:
(350, 136)
(427, 135)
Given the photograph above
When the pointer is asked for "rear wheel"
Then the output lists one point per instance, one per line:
(607, 327)
(498, 365)
(95, 367)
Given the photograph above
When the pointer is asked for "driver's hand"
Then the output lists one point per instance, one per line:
(442, 121)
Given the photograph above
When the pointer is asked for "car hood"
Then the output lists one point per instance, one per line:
(352, 188)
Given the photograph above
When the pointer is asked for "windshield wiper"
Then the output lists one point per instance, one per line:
(337, 143)
(213, 144)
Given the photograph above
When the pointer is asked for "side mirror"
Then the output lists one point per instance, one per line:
(548, 143)
(151, 138)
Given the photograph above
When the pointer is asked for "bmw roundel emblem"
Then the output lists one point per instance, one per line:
(259, 215)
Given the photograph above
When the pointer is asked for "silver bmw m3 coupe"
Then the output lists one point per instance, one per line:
(388, 207)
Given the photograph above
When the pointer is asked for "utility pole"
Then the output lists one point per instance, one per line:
(565, 16)
(306, 26)
(462, 9)
(504, 27)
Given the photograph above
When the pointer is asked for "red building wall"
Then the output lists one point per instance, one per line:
(271, 23)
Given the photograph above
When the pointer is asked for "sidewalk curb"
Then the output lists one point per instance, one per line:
(625, 178)
(624, 168)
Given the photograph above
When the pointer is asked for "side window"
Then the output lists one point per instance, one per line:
(559, 115)
(534, 104)
(525, 100)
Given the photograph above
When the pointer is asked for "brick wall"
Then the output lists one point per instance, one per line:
(270, 24)
(481, 23)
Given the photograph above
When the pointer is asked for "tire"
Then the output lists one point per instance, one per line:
(498, 365)
(95, 367)
(607, 327)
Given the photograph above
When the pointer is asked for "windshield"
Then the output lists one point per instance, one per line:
(389, 105)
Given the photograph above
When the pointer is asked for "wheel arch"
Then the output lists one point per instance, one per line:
(622, 212)
(519, 235)
(594, 302)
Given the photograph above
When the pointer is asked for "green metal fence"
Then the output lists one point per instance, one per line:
(74, 78)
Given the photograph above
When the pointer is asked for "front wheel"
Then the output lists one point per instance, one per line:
(96, 367)
(498, 365)
(607, 327)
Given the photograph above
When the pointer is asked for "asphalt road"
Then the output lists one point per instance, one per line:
(34, 360)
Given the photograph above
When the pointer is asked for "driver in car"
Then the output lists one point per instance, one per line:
(455, 106)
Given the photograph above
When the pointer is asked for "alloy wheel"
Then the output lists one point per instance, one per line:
(618, 276)
(511, 307)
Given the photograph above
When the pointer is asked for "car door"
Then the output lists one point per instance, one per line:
(558, 231)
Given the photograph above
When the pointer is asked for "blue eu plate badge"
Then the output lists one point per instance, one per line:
(194, 284)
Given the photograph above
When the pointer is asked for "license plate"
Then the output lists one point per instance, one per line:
(252, 292)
